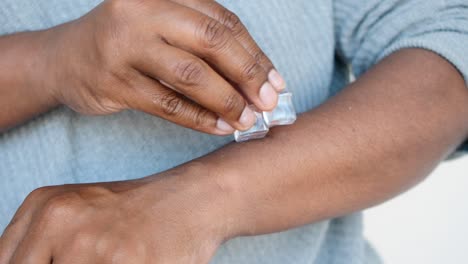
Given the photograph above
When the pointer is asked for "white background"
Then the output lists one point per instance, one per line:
(428, 224)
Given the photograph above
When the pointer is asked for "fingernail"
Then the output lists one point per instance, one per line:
(276, 80)
(224, 126)
(268, 96)
(247, 118)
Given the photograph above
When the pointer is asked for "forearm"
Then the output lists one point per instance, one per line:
(380, 136)
(24, 70)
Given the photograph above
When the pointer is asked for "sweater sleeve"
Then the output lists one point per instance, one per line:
(368, 31)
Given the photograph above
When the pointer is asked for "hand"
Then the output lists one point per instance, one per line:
(161, 219)
(189, 61)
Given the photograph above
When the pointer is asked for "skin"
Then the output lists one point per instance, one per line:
(377, 138)
(160, 57)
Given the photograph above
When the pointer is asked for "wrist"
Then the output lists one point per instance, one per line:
(38, 48)
(24, 78)
(54, 54)
(52, 51)
(226, 202)
(209, 193)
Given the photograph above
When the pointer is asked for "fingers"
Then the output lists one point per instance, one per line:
(33, 249)
(230, 20)
(16, 232)
(12, 237)
(152, 97)
(212, 41)
(195, 79)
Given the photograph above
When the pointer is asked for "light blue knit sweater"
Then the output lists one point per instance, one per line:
(310, 42)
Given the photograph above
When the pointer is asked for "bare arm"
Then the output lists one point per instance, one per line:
(375, 139)
(23, 69)
(380, 136)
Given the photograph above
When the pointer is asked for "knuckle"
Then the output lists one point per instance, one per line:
(118, 247)
(60, 206)
(38, 193)
(260, 56)
(171, 104)
(117, 6)
(232, 104)
(251, 71)
(107, 243)
(82, 240)
(230, 20)
(200, 118)
(189, 72)
(133, 251)
(213, 33)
